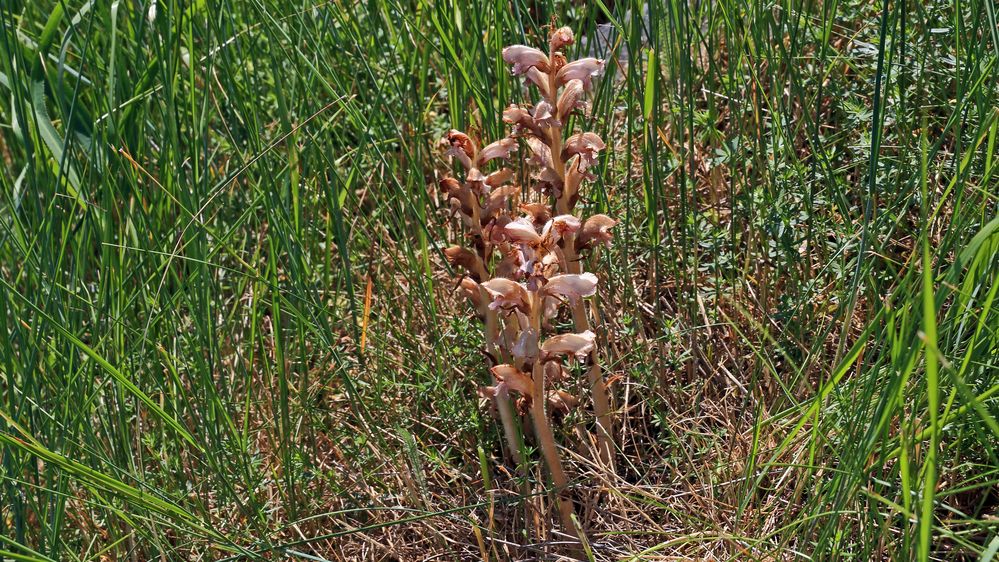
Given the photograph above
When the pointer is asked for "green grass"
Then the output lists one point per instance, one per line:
(800, 301)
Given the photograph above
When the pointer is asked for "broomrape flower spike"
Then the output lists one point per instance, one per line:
(523, 260)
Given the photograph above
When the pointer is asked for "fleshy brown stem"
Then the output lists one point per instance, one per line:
(546, 440)
(598, 388)
(545, 436)
(502, 398)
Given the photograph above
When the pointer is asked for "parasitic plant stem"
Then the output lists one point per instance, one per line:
(598, 388)
(523, 269)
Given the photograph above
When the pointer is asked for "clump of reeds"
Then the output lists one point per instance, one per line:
(524, 246)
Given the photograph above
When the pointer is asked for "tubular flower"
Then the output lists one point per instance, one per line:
(497, 200)
(542, 153)
(521, 231)
(544, 117)
(596, 230)
(460, 193)
(475, 293)
(582, 69)
(499, 149)
(524, 58)
(570, 99)
(579, 345)
(539, 212)
(586, 145)
(572, 286)
(514, 378)
(461, 147)
(540, 80)
(563, 225)
(522, 120)
(467, 259)
(507, 294)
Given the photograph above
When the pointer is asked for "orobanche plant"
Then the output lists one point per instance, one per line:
(524, 247)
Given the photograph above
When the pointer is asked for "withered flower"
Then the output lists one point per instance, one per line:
(514, 378)
(475, 293)
(497, 200)
(540, 212)
(460, 193)
(499, 177)
(467, 259)
(461, 147)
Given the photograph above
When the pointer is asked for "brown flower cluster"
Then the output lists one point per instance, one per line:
(523, 260)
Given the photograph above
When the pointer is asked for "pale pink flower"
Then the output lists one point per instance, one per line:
(548, 180)
(570, 99)
(506, 293)
(499, 149)
(526, 347)
(493, 231)
(521, 231)
(586, 145)
(582, 69)
(540, 79)
(524, 58)
(543, 115)
(499, 177)
(596, 230)
(522, 120)
(542, 154)
(572, 286)
(579, 345)
(565, 224)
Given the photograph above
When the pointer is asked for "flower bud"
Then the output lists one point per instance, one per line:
(561, 37)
